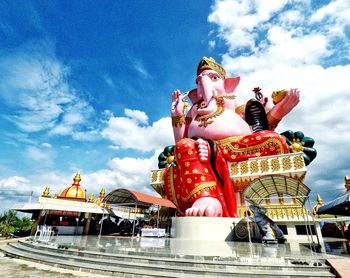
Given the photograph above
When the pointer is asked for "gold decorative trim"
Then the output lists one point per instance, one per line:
(298, 162)
(237, 149)
(154, 176)
(228, 140)
(227, 96)
(210, 63)
(244, 167)
(199, 188)
(171, 186)
(286, 163)
(205, 119)
(178, 120)
(234, 169)
(264, 165)
(254, 168)
(275, 164)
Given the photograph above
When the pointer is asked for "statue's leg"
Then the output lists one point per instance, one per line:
(192, 179)
(262, 143)
(227, 186)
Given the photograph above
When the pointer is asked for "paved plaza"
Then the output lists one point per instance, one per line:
(238, 253)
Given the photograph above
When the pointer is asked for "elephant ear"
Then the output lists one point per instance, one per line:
(231, 84)
(193, 96)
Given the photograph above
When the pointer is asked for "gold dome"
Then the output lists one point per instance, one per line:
(75, 191)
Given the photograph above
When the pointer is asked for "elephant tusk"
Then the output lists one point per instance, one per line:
(186, 94)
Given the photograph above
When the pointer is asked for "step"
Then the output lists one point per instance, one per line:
(105, 257)
(200, 261)
(112, 264)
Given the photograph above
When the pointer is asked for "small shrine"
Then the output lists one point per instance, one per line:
(69, 212)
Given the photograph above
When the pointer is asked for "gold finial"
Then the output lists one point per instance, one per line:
(46, 192)
(77, 178)
(102, 193)
(210, 63)
(318, 205)
(347, 182)
(91, 198)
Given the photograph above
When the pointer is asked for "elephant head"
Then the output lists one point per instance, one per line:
(211, 83)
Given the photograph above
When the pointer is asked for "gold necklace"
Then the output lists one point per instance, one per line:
(205, 120)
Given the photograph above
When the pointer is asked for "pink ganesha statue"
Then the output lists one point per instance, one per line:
(218, 128)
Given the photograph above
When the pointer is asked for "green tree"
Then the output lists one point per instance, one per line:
(8, 222)
(25, 224)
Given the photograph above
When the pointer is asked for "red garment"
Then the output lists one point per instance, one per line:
(192, 179)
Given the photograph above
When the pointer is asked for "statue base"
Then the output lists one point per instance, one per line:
(204, 228)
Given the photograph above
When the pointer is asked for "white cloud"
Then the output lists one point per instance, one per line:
(14, 182)
(139, 67)
(43, 157)
(290, 46)
(128, 133)
(138, 115)
(34, 85)
(337, 12)
(131, 173)
(46, 145)
(238, 19)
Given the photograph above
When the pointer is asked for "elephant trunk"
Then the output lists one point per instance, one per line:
(206, 90)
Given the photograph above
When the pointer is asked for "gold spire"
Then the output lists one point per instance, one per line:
(91, 198)
(347, 182)
(210, 63)
(102, 193)
(77, 178)
(46, 192)
(318, 205)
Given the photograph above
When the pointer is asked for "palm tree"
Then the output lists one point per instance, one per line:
(25, 224)
(8, 221)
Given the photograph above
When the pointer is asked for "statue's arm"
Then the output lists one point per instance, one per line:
(281, 109)
(178, 119)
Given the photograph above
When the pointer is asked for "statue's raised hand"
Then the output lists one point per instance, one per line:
(177, 103)
(286, 105)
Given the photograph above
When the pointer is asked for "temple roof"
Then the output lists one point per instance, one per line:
(126, 197)
(75, 191)
(275, 185)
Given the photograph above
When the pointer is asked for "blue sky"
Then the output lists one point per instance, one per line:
(87, 85)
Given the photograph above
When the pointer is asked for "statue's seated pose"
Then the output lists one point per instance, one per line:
(216, 130)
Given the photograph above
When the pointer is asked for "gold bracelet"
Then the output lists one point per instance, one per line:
(178, 120)
(240, 109)
(273, 122)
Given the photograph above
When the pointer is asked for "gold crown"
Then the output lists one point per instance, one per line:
(210, 63)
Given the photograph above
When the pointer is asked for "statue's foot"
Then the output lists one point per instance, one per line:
(206, 206)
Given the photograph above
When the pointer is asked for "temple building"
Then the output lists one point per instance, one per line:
(73, 213)
(69, 212)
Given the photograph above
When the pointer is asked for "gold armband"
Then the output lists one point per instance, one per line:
(273, 122)
(178, 120)
(240, 109)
